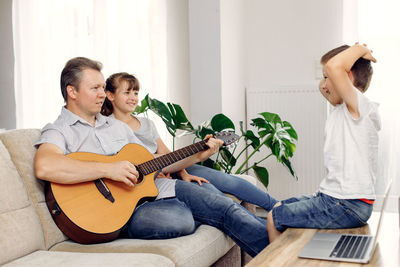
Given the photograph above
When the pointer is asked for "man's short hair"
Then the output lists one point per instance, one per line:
(72, 72)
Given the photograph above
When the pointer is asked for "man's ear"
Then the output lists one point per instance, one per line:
(110, 95)
(71, 91)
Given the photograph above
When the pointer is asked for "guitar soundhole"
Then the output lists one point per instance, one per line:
(140, 178)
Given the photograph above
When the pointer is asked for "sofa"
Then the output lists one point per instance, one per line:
(29, 237)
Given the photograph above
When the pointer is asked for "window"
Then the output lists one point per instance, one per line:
(126, 35)
(377, 24)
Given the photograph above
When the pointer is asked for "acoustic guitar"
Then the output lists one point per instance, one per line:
(96, 211)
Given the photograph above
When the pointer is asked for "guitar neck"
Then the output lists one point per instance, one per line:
(170, 158)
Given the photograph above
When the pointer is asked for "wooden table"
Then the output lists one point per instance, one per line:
(284, 251)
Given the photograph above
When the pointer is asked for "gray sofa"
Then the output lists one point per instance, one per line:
(29, 237)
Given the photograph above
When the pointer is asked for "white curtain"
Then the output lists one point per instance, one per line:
(377, 23)
(125, 35)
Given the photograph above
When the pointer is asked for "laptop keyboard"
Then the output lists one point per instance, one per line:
(351, 247)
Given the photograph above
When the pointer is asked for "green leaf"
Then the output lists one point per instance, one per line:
(288, 164)
(179, 117)
(260, 123)
(208, 163)
(262, 175)
(263, 133)
(289, 148)
(172, 115)
(289, 128)
(216, 166)
(271, 117)
(161, 110)
(227, 156)
(144, 106)
(254, 140)
(221, 122)
(204, 131)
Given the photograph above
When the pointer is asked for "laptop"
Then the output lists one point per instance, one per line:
(344, 247)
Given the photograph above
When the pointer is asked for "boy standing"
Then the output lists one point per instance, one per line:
(346, 195)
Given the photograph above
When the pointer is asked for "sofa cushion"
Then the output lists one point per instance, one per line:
(20, 146)
(202, 248)
(67, 259)
(20, 229)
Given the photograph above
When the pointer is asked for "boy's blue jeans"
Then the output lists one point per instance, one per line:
(322, 212)
(155, 220)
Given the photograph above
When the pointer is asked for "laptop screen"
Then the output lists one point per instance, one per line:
(385, 200)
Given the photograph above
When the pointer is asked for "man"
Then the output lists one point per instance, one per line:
(80, 127)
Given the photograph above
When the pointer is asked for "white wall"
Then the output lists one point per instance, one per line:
(178, 63)
(236, 44)
(233, 52)
(285, 39)
(205, 59)
(178, 76)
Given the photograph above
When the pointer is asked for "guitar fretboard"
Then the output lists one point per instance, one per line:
(170, 158)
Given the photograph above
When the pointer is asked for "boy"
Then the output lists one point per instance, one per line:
(346, 195)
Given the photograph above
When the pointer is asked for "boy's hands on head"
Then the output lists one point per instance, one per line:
(368, 52)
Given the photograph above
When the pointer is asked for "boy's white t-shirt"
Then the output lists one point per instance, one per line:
(351, 151)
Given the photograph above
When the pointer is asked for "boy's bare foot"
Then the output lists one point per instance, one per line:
(272, 232)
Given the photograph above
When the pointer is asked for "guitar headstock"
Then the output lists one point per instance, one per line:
(227, 137)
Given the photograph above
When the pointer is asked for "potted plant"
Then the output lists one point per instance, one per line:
(269, 131)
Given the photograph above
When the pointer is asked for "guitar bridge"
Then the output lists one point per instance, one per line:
(103, 189)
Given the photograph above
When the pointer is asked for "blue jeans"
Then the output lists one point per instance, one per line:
(322, 212)
(233, 185)
(204, 206)
(160, 219)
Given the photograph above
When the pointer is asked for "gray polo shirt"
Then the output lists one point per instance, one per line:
(71, 133)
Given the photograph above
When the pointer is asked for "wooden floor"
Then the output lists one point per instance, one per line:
(284, 251)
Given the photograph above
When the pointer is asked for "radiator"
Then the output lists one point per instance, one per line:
(304, 107)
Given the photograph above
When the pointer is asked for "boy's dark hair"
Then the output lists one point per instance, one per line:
(72, 72)
(362, 68)
(112, 83)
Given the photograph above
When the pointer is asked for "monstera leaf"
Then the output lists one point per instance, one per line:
(171, 114)
(262, 175)
(280, 137)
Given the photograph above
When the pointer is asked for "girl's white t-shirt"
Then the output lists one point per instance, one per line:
(351, 151)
